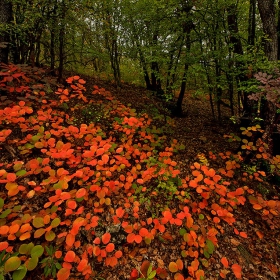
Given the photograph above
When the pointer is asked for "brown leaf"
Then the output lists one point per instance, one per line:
(234, 242)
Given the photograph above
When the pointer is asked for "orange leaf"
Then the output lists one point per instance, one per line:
(106, 237)
(63, 274)
(138, 238)
(70, 239)
(143, 232)
(72, 204)
(243, 234)
(120, 212)
(189, 222)
(4, 245)
(96, 251)
(70, 256)
(259, 234)
(130, 237)
(111, 261)
(173, 267)
(11, 177)
(82, 265)
(236, 268)
(81, 193)
(180, 264)
(118, 254)
(105, 158)
(25, 236)
(4, 230)
(178, 276)
(110, 247)
(199, 274)
(58, 254)
(257, 206)
(224, 261)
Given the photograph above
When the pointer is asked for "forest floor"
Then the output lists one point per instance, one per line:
(252, 241)
(259, 253)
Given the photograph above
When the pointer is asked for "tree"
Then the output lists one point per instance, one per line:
(268, 17)
(5, 18)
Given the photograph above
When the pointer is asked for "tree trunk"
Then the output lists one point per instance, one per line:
(268, 17)
(252, 23)
(61, 42)
(5, 18)
(278, 30)
(179, 110)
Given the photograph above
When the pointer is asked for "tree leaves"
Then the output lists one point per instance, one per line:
(12, 264)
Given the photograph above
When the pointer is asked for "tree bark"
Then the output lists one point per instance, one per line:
(268, 17)
(252, 23)
(5, 17)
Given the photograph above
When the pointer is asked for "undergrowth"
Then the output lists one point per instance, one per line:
(84, 180)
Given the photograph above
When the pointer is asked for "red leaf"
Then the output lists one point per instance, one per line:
(106, 237)
(70, 256)
(105, 158)
(11, 177)
(81, 193)
(82, 265)
(243, 234)
(236, 268)
(110, 247)
(120, 212)
(224, 261)
(138, 238)
(134, 273)
(130, 237)
(143, 232)
(3, 245)
(118, 254)
(70, 239)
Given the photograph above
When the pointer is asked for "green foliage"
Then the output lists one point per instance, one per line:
(150, 274)
(50, 264)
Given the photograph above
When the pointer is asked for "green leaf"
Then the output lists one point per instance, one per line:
(12, 264)
(5, 213)
(25, 249)
(37, 251)
(152, 274)
(1, 202)
(35, 138)
(201, 216)
(21, 173)
(182, 231)
(210, 246)
(149, 269)
(206, 254)
(55, 222)
(31, 263)
(20, 273)
(50, 235)
(38, 222)
(54, 209)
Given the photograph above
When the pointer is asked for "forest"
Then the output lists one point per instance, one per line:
(139, 139)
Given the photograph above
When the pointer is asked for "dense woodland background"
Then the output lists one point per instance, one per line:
(225, 52)
(213, 47)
